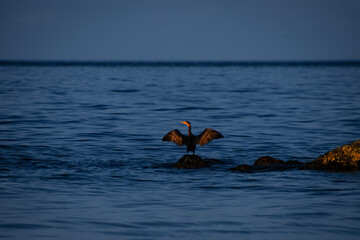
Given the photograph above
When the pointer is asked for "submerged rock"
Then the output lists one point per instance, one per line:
(346, 157)
(243, 168)
(266, 163)
(194, 161)
(266, 160)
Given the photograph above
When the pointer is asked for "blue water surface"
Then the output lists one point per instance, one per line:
(81, 155)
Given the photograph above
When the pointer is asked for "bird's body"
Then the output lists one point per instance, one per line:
(191, 140)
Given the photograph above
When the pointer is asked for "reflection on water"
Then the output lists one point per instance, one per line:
(81, 153)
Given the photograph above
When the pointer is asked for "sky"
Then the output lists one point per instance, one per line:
(190, 30)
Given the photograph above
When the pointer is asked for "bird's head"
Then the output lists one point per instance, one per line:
(187, 123)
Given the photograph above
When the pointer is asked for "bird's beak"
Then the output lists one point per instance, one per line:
(183, 122)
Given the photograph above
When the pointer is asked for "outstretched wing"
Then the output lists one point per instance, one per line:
(207, 136)
(174, 136)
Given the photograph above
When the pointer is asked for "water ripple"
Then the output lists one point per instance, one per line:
(84, 158)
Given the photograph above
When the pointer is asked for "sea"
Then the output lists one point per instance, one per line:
(82, 157)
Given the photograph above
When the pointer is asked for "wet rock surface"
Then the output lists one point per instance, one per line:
(194, 161)
(346, 157)
(267, 163)
(243, 168)
(266, 160)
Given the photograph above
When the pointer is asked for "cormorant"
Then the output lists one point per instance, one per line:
(191, 140)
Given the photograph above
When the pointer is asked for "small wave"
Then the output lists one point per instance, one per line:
(126, 91)
(23, 226)
(112, 224)
(243, 90)
(198, 108)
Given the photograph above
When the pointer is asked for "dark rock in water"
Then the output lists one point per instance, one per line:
(266, 160)
(266, 163)
(243, 168)
(191, 162)
(346, 157)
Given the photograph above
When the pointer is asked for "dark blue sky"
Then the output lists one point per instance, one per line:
(180, 30)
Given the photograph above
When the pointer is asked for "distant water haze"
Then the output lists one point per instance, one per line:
(180, 30)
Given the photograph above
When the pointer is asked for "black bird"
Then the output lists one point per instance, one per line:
(191, 140)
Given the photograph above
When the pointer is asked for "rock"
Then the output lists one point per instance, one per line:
(266, 160)
(346, 157)
(243, 168)
(266, 164)
(191, 162)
